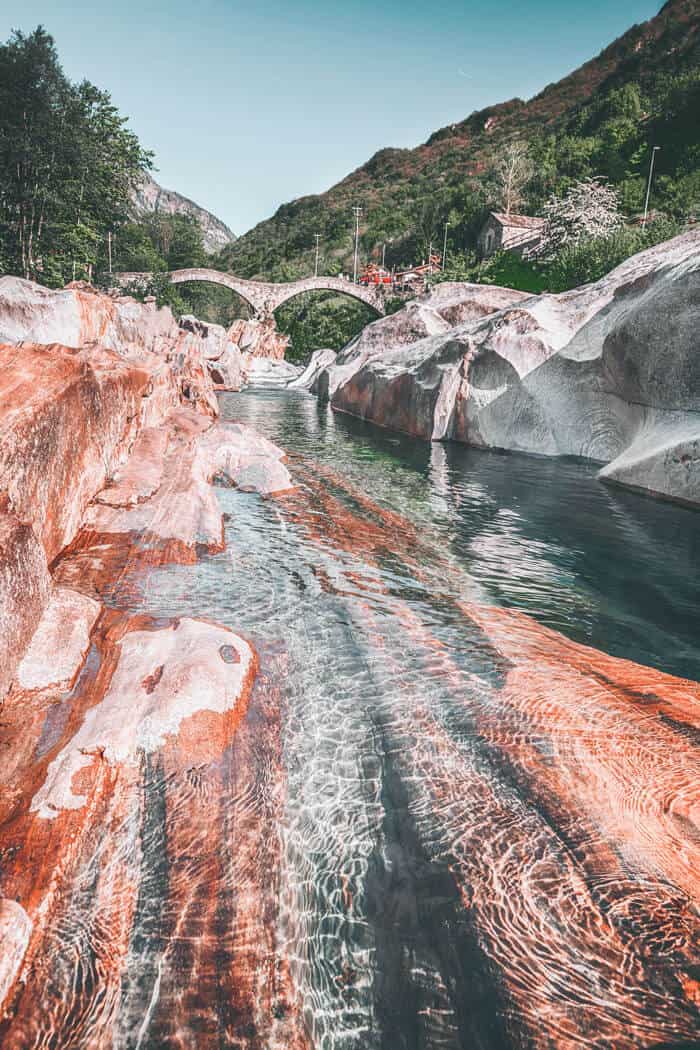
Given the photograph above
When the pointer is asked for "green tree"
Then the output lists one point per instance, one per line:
(67, 164)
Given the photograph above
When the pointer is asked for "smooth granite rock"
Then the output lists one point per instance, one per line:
(609, 372)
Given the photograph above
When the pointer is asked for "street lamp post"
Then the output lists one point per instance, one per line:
(444, 248)
(357, 211)
(654, 151)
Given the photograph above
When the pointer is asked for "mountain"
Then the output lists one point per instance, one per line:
(600, 119)
(150, 198)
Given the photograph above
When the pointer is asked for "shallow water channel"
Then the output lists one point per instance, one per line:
(461, 809)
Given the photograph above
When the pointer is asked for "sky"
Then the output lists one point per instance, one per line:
(249, 105)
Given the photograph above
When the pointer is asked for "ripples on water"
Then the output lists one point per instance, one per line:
(411, 842)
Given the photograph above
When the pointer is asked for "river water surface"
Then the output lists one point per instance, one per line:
(482, 843)
(462, 809)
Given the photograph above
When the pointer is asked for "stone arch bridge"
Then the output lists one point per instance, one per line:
(265, 297)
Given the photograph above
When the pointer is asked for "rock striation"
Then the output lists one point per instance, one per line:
(98, 393)
(608, 371)
(110, 447)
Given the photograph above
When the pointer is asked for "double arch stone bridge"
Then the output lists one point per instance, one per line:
(264, 297)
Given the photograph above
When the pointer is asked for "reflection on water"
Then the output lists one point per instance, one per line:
(607, 567)
(446, 881)
(441, 824)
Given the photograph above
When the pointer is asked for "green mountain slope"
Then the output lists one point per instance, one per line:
(643, 89)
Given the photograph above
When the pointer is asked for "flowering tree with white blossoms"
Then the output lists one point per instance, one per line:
(589, 208)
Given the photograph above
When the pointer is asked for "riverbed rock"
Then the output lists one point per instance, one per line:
(259, 338)
(400, 370)
(420, 324)
(177, 513)
(624, 391)
(25, 591)
(266, 371)
(608, 371)
(222, 355)
(60, 643)
(68, 418)
(162, 678)
(79, 316)
(308, 379)
(15, 931)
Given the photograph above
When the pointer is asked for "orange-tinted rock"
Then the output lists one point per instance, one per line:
(25, 587)
(60, 642)
(162, 678)
(15, 931)
(80, 316)
(67, 420)
(256, 338)
(182, 512)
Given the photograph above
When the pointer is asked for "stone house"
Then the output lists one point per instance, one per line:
(510, 233)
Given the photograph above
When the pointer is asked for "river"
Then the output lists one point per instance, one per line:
(461, 809)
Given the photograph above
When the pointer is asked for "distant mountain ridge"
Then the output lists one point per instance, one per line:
(454, 163)
(152, 198)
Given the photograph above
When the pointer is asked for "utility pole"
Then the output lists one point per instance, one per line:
(430, 258)
(654, 151)
(444, 248)
(357, 211)
(383, 255)
(109, 248)
(318, 237)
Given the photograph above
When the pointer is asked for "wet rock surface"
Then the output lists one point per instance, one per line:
(607, 371)
(291, 760)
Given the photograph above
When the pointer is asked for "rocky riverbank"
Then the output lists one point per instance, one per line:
(239, 735)
(109, 444)
(608, 372)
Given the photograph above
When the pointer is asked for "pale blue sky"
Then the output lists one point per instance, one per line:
(248, 105)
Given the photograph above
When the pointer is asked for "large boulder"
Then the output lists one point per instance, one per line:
(79, 316)
(320, 361)
(609, 371)
(399, 370)
(606, 368)
(68, 419)
(266, 371)
(259, 338)
(625, 391)
(221, 354)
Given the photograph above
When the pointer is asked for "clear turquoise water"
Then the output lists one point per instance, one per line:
(367, 645)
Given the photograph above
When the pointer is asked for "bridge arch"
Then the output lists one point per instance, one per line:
(265, 296)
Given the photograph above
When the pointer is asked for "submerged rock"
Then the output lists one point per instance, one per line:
(60, 642)
(162, 678)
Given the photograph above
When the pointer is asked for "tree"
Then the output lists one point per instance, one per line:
(589, 208)
(512, 173)
(67, 164)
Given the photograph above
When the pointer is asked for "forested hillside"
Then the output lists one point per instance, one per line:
(601, 120)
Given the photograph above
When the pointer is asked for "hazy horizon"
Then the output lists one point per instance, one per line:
(247, 109)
